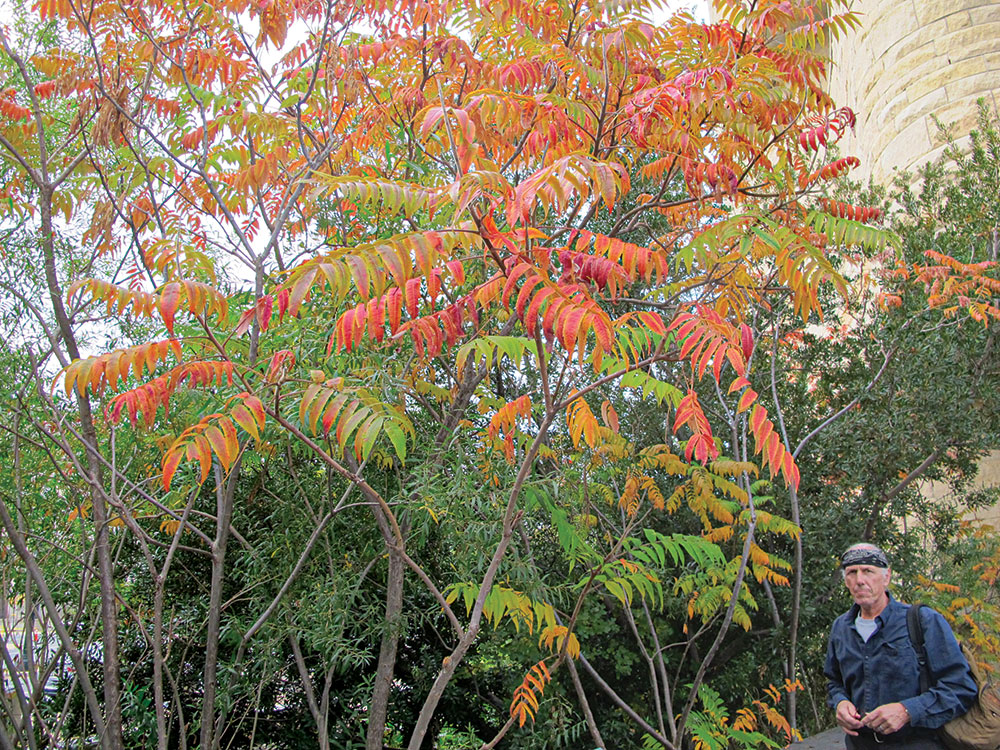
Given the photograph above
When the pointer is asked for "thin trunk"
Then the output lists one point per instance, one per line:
(28, 605)
(654, 687)
(726, 620)
(379, 708)
(450, 663)
(510, 520)
(16, 704)
(588, 715)
(5, 741)
(661, 666)
(224, 510)
(793, 630)
(111, 738)
(318, 714)
(159, 659)
(158, 663)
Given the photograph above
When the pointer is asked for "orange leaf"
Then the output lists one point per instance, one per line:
(200, 450)
(170, 463)
(740, 382)
(746, 400)
(610, 415)
(219, 445)
(330, 415)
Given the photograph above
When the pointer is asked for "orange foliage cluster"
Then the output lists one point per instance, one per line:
(491, 160)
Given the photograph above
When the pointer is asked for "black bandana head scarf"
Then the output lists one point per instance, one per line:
(864, 556)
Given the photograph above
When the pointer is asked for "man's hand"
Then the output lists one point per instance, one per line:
(848, 717)
(886, 719)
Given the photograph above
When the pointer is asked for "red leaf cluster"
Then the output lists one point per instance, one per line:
(841, 210)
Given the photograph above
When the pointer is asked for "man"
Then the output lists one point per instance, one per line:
(874, 676)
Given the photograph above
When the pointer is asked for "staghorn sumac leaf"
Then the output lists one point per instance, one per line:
(220, 446)
(332, 410)
(412, 294)
(200, 449)
(353, 415)
(171, 461)
(366, 435)
(746, 400)
(245, 419)
(524, 705)
(168, 303)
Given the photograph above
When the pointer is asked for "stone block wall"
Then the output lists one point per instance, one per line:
(912, 59)
(909, 60)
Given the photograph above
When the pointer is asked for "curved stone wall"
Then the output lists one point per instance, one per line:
(910, 60)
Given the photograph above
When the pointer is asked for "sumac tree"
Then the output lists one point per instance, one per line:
(354, 299)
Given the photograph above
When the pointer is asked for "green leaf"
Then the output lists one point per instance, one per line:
(398, 439)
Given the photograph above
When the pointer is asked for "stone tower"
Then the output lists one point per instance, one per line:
(909, 60)
(912, 59)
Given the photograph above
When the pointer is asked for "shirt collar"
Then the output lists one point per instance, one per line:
(890, 606)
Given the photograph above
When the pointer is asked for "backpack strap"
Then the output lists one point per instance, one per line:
(916, 630)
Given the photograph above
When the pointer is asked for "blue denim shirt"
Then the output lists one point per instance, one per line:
(885, 669)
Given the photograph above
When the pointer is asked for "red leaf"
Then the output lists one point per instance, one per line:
(200, 449)
(531, 318)
(170, 298)
(434, 284)
(413, 297)
(280, 362)
(376, 318)
(283, 299)
(525, 294)
(394, 302)
(746, 341)
(601, 330)
(653, 321)
(512, 277)
(264, 308)
(330, 414)
(568, 327)
(457, 270)
(690, 343)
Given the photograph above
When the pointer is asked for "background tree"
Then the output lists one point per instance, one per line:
(910, 369)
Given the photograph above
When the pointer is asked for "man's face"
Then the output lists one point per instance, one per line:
(867, 585)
